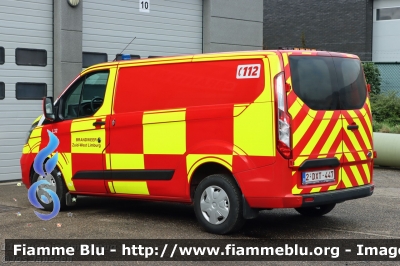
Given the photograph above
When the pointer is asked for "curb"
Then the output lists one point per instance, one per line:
(9, 183)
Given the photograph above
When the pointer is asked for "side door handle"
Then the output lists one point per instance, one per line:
(99, 123)
(352, 127)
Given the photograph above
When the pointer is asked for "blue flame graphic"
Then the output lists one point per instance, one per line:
(32, 198)
(42, 155)
(49, 166)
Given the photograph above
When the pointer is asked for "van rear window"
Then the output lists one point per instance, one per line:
(328, 83)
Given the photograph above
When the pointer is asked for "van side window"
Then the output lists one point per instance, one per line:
(85, 96)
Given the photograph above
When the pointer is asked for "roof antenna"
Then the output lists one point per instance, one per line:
(124, 49)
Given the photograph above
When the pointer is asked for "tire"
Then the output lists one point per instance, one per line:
(58, 185)
(316, 211)
(223, 215)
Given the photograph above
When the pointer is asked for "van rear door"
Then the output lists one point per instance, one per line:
(317, 148)
(326, 103)
(357, 123)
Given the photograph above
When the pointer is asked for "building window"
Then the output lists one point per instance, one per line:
(388, 13)
(133, 56)
(30, 57)
(30, 91)
(2, 55)
(90, 59)
(2, 91)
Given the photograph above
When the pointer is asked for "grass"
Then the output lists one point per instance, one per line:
(384, 127)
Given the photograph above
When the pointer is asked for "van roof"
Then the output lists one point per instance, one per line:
(221, 54)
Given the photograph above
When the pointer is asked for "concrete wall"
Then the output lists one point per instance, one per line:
(386, 35)
(342, 25)
(232, 25)
(67, 44)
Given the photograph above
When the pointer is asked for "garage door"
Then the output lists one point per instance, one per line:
(386, 34)
(26, 65)
(170, 28)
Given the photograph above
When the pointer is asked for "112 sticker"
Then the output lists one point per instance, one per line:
(248, 71)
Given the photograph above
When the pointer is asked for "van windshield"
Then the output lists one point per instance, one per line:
(328, 83)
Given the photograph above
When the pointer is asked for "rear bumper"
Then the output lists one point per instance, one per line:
(336, 196)
(311, 200)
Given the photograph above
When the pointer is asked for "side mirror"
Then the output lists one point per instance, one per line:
(48, 108)
(369, 87)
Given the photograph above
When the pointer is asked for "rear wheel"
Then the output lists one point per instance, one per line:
(316, 211)
(218, 205)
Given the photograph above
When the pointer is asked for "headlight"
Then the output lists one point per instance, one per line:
(28, 134)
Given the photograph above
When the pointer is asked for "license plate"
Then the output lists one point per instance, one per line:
(318, 177)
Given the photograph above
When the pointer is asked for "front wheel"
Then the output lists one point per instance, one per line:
(316, 211)
(218, 205)
(56, 185)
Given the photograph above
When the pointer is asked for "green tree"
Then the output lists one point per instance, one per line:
(386, 108)
(372, 76)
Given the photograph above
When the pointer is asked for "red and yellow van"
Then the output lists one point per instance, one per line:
(232, 133)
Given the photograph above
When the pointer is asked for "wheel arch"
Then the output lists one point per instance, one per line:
(207, 167)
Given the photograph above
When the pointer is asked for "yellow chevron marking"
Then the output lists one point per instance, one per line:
(317, 134)
(294, 110)
(349, 156)
(316, 189)
(339, 178)
(346, 179)
(362, 155)
(363, 112)
(363, 132)
(351, 136)
(299, 160)
(345, 149)
(335, 132)
(296, 190)
(285, 59)
(361, 129)
(302, 129)
(289, 81)
(357, 175)
(367, 172)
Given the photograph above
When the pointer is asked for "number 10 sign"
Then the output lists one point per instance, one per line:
(144, 6)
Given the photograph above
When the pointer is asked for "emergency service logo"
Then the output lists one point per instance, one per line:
(45, 187)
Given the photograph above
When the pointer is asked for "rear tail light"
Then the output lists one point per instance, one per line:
(284, 120)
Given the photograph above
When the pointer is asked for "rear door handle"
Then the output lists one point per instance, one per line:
(352, 127)
(99, 123)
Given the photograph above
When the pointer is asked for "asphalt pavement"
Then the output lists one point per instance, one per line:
(375, 217)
